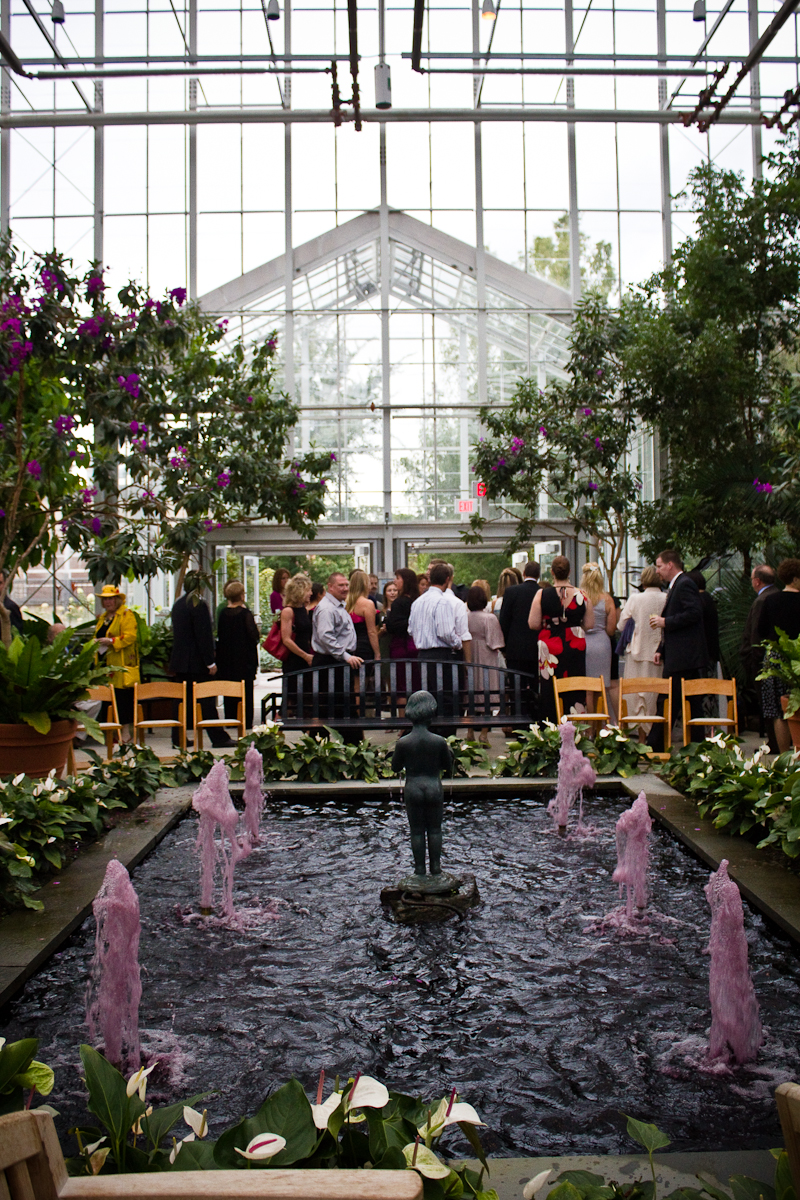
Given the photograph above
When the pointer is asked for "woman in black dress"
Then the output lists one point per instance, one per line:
(561, 614)
(780, 613)
(296, 636)
(237, 648)
(401, 645)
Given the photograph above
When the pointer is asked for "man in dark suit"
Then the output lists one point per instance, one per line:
(683, 649)
(750, 652)
(522, 642)
(192, 658)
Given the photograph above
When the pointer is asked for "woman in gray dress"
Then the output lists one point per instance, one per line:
(598, 639)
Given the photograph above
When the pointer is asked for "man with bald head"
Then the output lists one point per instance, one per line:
(333, 640)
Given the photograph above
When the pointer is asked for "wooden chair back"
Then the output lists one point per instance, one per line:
(32, 1168)
(708, 687)
(162, 690)
(787, 1098)
(582, 683)
(222, 687)
(648, 686)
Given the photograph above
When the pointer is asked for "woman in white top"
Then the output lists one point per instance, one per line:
(641, 649)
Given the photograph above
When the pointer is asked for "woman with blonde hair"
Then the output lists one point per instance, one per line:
(296, 631)
(483, 583)
(509, 577)
(643, 644)
(362, 613)
(598, 638)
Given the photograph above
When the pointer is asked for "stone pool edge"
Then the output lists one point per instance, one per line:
(28, 939)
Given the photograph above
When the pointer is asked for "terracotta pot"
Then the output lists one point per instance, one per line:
(23, 749)
(792, 722)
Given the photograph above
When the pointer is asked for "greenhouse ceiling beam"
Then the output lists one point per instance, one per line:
(598, 57)
(48, 118)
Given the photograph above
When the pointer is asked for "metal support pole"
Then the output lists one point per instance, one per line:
(192, 156)
(480, 256)
(288, 337)
(663, 139)
(755, 88)
(5, 134)
(386, 388)
(463, 422)
(99, 138)
(572, 166)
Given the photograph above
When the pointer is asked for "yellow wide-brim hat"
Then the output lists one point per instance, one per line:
(110, 590)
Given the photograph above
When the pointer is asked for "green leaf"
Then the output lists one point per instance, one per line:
(15, 1057)
(713, 1190)
(564, 1191)
(195, 1156)
(161, 1120)
(286, 1112)
(38, 1076)
(646, 1135)
(470, 1133)
(108, 1099)
(581, 1179)
(40, 721)
(784, 1185)
(745, 1188)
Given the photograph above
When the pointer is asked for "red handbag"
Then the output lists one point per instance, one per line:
(273, 642)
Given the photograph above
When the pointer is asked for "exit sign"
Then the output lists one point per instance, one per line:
(465, 506)
(479, 488)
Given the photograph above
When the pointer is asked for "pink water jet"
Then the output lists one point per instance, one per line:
(253, 793)
(633, 829)
(115, 986)
(212, 801)
(575, 773)
(735, 1023)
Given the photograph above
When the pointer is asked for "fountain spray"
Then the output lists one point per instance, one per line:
(212, 801)
(735, 1023)
(115, 986)
(253, 793)
(633, 829)
(575, 773)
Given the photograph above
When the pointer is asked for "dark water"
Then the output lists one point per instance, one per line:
(547, 1029)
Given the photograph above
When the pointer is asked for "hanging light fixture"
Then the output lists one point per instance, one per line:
(487, 12)
(383, 86)
(273, 11)
(57, 14)
(699, 10)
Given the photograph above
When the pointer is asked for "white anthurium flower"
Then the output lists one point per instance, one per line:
(321, 1113)
(91, 1149)
(605, 732)
(138, 1081)
(420, 1158)
(533, 1185)
(263, 1145)
(366, 1092)
(6, 820)
(97, 1159)
(447, 1113)
(196, 1121)
(2, 1042)
(176, 1149)
(17, 780)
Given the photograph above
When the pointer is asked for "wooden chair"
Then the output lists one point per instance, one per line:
(708, 687)
(223, 687)
(158, 691)
(658, 687)
(582, 683)
(112, 728)
(32, 1168)
(787, 1098)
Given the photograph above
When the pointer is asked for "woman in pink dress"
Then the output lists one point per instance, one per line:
(487, 642)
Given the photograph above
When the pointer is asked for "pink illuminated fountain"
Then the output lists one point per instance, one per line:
(735, 1023)
(115, 986)
(253, 793)
(633, 829)
(212, 801)
(575, 773)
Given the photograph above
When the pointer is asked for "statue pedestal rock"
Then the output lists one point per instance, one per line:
(428, 894)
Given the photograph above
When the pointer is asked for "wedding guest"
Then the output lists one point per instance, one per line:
(643, 644)
(278, 584)
(237, 649)
(296, 628)
(487, 642)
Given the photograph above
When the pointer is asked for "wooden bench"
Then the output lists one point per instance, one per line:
(32, 1168)
(493, 697)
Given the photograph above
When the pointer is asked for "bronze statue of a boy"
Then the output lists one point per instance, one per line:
(425, 757)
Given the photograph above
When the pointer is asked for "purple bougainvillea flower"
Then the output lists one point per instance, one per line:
(272, 343)
(333, 457)
(501, 462)
(34, 469)
(134, 426)
(91, 328)
(139, 443)
(2, 427)
(588, 412)
(178, 295)
(73, 453)
(64, 424)
(97, 525)
(12, 323)
(50, 280)
(223, 479)
(517, 444)
(2, 513)
(249, 399)
(598, 443)
(592, 486)
(223, 325)
(599, 372)
(542, 431)
(94, 285)
(129, 384)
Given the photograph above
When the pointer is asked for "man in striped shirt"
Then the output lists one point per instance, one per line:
(432, 625)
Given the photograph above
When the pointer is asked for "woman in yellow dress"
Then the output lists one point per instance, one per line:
(117, 637)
